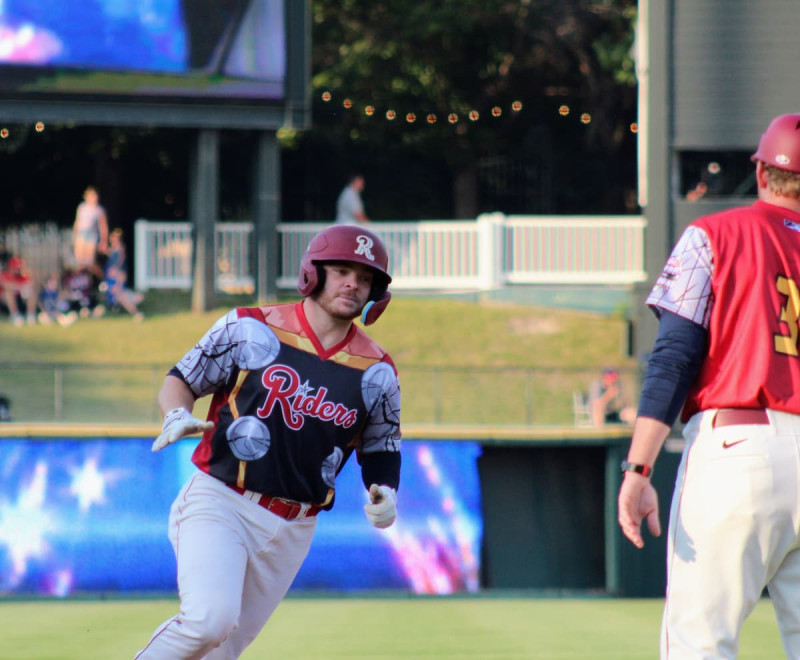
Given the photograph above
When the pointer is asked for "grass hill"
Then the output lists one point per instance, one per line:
(459, 361)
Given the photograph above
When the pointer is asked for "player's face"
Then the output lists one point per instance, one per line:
(346, 290)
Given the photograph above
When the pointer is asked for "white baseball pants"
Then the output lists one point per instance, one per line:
(236, 561)
(734, 528)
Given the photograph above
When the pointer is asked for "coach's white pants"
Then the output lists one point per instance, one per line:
(236, 561)
(734, 528)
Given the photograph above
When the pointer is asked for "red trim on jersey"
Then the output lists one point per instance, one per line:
(321, 351)
(202, 453)
(251, 312)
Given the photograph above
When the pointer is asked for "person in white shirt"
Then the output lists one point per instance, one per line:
(349, 207)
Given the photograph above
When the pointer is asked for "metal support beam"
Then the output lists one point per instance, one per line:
(203, 206)
(266, 214)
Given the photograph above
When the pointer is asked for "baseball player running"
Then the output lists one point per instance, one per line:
(297, 388)
(727, 353)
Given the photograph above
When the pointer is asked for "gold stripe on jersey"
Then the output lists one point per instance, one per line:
(235, 414)
(241, 473)
(232, 398)
(304, 344)
(294, 340)
(354, 361)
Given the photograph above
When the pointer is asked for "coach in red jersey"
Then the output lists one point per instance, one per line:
(297, 389)
(726, 358)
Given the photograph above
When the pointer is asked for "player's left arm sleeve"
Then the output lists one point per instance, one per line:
(674, 362)
(379, 449)
(382, 467)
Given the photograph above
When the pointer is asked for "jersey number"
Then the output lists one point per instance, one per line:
(789, 315)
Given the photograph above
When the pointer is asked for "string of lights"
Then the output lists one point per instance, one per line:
(410, 117)
(391, 114)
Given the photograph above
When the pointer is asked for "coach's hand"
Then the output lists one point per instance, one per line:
(178, 423)
(637, 501)
(382, 508)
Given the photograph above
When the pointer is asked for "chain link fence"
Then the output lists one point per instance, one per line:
(122, 393)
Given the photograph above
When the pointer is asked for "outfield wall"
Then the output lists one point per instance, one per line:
(83, 510)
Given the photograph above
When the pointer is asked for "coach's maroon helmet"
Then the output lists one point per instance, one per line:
(348, 243)
(780, 144)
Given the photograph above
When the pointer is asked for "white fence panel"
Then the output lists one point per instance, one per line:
(234, 246)
(164, 255)
(489, 253)
(422, 255)
(575, 249)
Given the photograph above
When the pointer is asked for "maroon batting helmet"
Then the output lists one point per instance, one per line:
(780, 144)
(348, 243)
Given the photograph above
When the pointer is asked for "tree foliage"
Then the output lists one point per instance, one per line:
(453, 57)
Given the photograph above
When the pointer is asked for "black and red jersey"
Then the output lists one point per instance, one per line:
(288, 413)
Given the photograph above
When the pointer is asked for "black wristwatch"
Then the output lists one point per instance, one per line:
(639, 468)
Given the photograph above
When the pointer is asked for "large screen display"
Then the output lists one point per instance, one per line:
(179, 49)
(90, 517)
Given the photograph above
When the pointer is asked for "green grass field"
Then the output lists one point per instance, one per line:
(385, 628)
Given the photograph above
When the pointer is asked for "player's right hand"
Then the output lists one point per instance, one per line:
(178, 423)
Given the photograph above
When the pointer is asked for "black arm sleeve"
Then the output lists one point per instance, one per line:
(677, 356)
(380, 467)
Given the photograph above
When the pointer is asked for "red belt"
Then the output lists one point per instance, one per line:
(735, 416)
(280, 506)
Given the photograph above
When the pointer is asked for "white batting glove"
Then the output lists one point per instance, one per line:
(382, 508)
(178, 423)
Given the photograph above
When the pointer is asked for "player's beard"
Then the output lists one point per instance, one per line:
(337, 308)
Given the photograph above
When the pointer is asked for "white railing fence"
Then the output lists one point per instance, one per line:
(163, 255)
(488, 253)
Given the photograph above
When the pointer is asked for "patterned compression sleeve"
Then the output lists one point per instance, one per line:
(381, 391)
(379, 453)
(684, 286)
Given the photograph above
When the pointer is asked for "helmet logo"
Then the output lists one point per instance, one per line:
(782, 159)
(364, 246)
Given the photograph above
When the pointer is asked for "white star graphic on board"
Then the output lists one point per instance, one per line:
(24, 524)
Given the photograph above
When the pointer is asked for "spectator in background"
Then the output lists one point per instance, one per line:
(18, 296)
(116, 276)
(349, 207)
(90, 231)
(709, 185)
(53, 308)
(80, 287)
(606, 403)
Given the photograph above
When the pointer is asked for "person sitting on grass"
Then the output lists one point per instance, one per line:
(81, 292)
(52, 305)
(16, 283)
